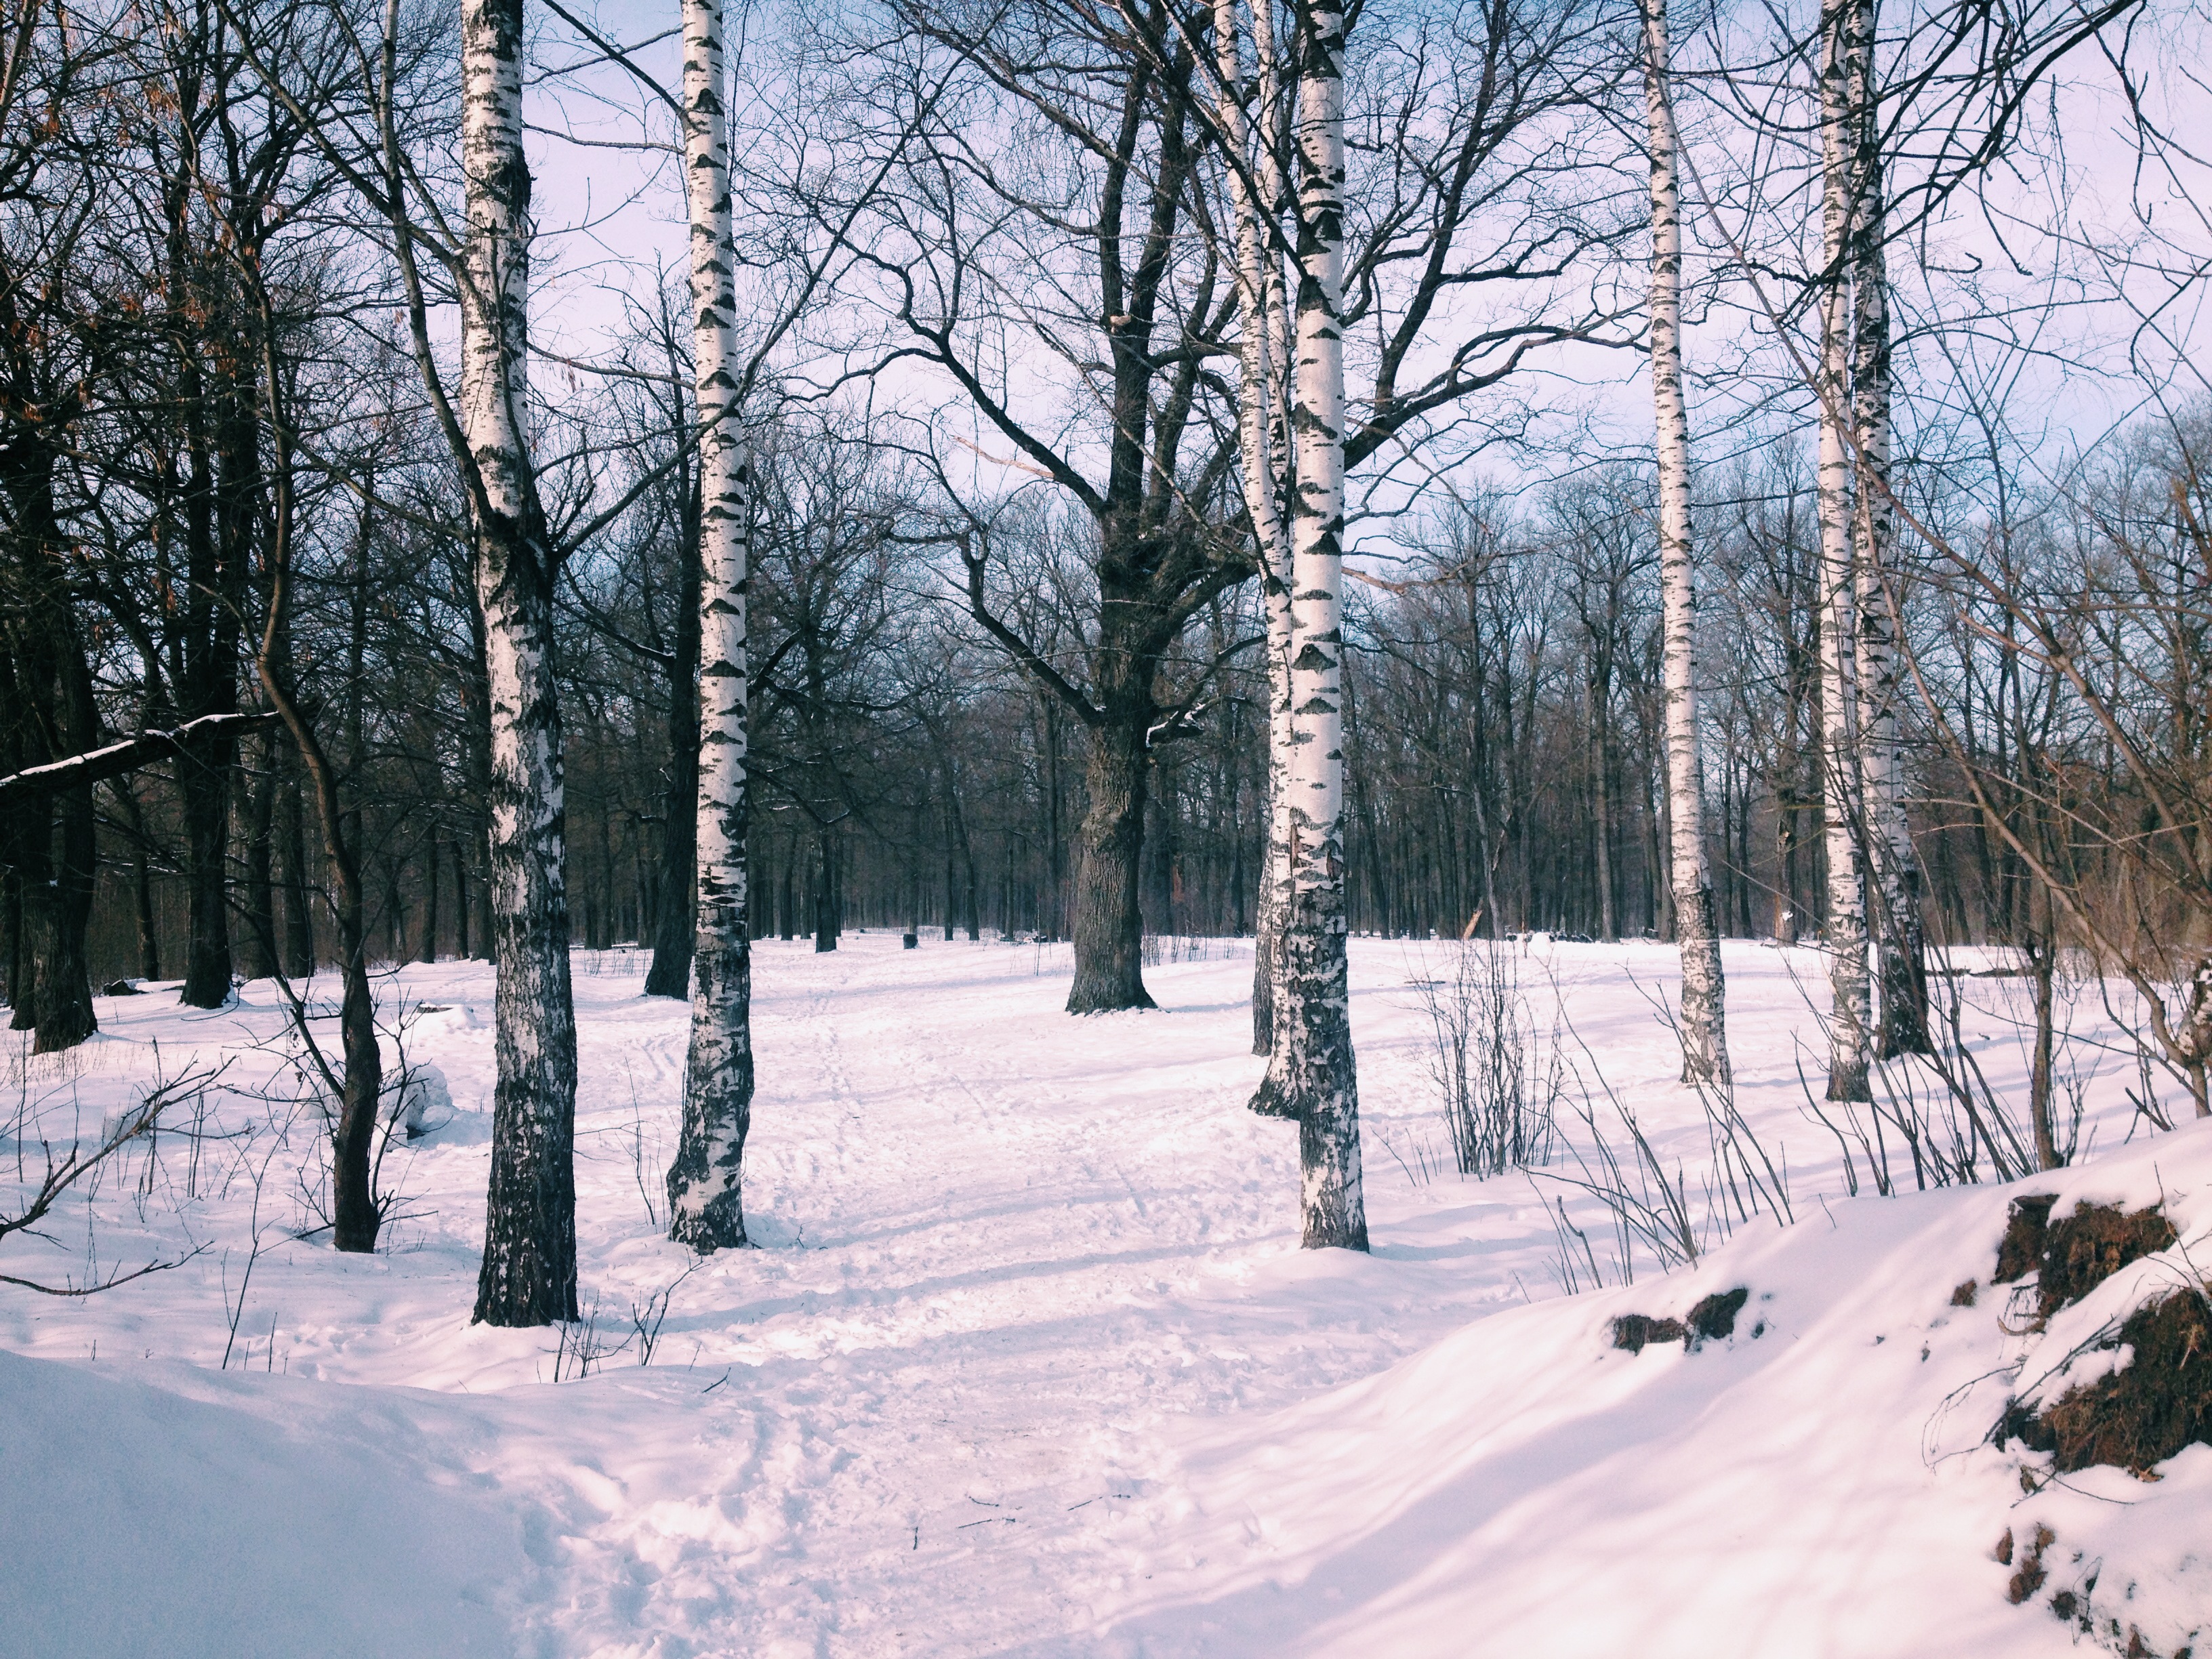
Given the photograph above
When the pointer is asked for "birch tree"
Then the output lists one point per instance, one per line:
(1841, 802)
(1703, 1030)
(1318, 1082)
(529, 1270)
(1900, 972)
(1254, 173)
(373, 114)
(705, 1196)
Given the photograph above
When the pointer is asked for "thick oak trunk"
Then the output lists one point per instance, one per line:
(1108, 930)
(54, 855)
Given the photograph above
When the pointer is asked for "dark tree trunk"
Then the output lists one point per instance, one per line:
(59, 910)
(204, 779)
(461, 901)
(53, 715)
(1055, 913)
(599, 930)
(62, 910)
(142, 880)
(786, 903)
(1109, 931)
(952, 862)
(1788, 921)
(395, 914)
(355, 1216)
(11, 933)
(299, 884)
(428, 951)
(257, 956)
(13, 836)
(480, 894)
(1601, 784)
(1155, 909)
(2043, 961)
(676, 918)
(209, 686)
(828, 917)
(477, 744)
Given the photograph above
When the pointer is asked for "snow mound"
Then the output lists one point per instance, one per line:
(1819, 1483)
(426, 1100)
(445, 1019)
(218, 1515)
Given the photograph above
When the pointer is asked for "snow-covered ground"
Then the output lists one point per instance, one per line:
(1030, 1362)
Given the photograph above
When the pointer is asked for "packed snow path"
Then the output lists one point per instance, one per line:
(1027, 1336)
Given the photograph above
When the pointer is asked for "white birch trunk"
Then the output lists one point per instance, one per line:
(1900, 949)
(529, 1271)
(1703, 1030)
(1255, 199)
(1318, 1078)
(706, 1197)
(1842, 814)
(1275, 866)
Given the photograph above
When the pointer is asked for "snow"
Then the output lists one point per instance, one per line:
(1030, 1363)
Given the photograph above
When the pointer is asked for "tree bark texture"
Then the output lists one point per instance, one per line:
(1843, 814)
(1109, 931)
(299, 951)
(256, 952)
(1263, 450)
(52, 834)
(141, 881)
(1704, 1015)
(1320, 1084)
(222, 529)
(528, 1275)
(676, 922)
(1900, 942)
(705, 1188)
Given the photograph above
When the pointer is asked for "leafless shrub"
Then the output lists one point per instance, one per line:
(646, 1318)
(1500, 1086)
(234, 1309)
(646, 1158)
(304, 1083)
(1662, 1213)
(80, 1161)
(580, 1349)
(1937, 1115)
(1427, 1162)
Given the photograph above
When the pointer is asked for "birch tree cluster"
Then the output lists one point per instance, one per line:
(1110, 473)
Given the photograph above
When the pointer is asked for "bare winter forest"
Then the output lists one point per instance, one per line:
(1373, 489)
